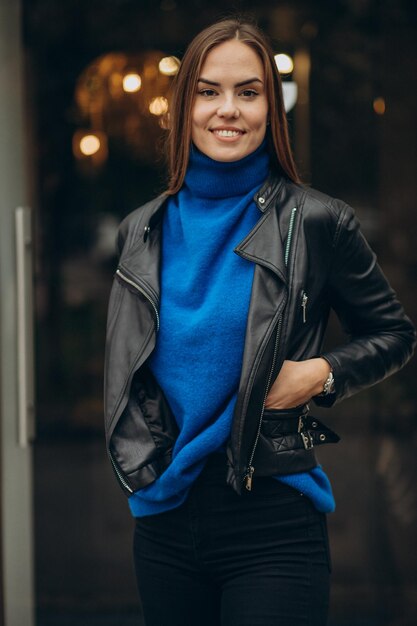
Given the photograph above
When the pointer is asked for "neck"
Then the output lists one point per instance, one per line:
(207, 178)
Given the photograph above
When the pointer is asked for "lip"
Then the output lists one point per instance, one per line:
(224, 139)
(232, 128)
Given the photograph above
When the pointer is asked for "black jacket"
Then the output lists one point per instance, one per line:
(310, 256)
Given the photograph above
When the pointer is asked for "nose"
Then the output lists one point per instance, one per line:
(228, 108)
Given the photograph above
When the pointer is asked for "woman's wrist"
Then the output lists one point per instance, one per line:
(327, 383)
(324, 371)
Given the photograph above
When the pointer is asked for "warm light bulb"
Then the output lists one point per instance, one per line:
(379, 106)
(158, 106)
(169, 66)
(89, 145)
(284, 63)
(132, 82)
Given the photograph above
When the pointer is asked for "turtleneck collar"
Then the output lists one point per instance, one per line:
(207, 178)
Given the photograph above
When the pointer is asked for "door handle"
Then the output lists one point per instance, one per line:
(25, 331)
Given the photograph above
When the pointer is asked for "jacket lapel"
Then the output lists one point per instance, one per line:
(264, 245)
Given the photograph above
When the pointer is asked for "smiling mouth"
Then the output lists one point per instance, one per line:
(227, 133)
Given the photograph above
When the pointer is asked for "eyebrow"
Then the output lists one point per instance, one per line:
(243, 82)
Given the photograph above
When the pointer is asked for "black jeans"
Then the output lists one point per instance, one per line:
(220, 559)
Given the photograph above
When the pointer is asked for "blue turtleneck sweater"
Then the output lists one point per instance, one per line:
(205, 294)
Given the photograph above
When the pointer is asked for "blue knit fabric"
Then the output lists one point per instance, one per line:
(313, 484)
(205, 294)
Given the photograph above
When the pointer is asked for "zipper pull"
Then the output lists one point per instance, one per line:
(304, 306)
(248, 478)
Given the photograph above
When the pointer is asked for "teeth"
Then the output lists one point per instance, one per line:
(227, 133)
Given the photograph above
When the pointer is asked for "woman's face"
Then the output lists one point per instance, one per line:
(230, 108)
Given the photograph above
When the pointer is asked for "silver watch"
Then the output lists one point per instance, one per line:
(328, 386)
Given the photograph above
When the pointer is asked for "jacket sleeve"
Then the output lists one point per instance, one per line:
(381, 336)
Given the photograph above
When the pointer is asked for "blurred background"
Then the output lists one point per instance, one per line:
(84, 86)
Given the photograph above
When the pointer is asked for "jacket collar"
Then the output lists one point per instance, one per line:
(268, 192)
(261, 245)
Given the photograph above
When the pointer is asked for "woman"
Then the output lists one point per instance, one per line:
(214, 349)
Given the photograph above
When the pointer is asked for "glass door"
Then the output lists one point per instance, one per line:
(16, 346)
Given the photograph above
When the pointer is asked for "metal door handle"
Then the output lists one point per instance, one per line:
(25, 343)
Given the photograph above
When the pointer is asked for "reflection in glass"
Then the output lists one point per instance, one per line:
(169, 66)
(132, 83)
(89, 144)
(158, 106)
(284, 63)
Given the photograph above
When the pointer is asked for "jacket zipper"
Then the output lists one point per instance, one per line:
(289, 238)
(119, 475)
(304, 299)
(155, 308)
(128, 280)
(250, 469)
(143, 292)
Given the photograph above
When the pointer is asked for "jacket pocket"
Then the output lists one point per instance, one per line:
(156, 411)
(142, 442)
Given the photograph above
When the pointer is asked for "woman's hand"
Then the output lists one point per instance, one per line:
(297, 383)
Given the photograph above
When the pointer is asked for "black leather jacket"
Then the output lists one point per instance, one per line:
(310, 256)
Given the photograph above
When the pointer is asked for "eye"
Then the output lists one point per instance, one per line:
(207, 93)
(249, 93)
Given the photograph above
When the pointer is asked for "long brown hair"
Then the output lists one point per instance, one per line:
(185, 87)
